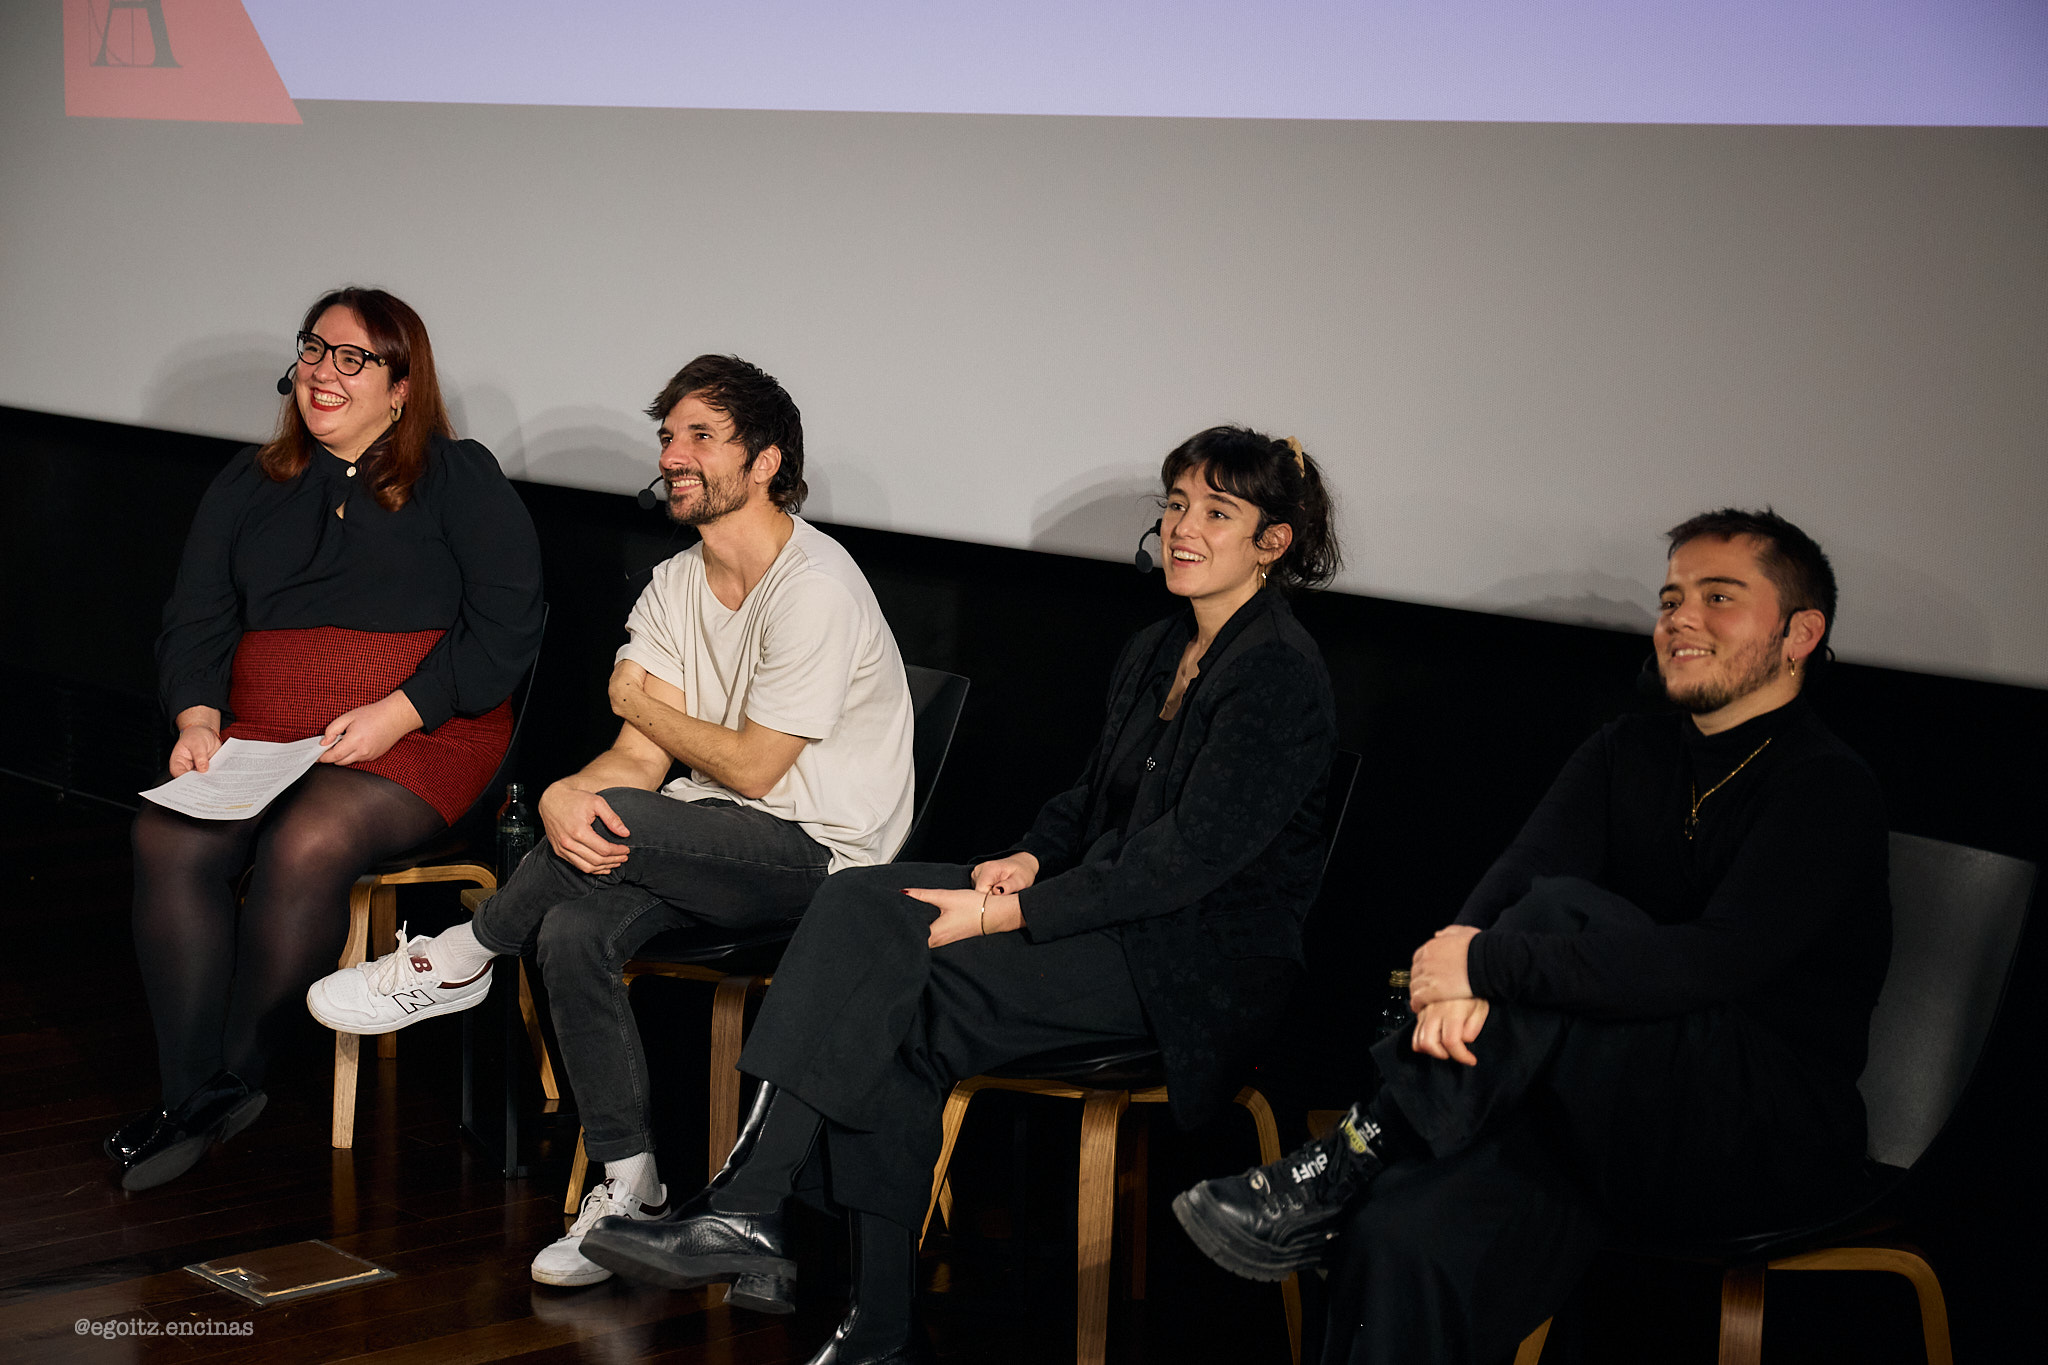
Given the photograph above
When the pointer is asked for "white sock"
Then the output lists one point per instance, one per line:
(635, 1175)
(456, 954)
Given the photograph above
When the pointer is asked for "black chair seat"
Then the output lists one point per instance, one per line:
(1857, 1217)
(451, 845)
(743, 951)
(1121, 1064)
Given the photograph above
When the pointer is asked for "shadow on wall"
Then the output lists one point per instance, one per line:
(226, 386)
(1930, 625)
(841, 493)
(582, 447)
(1101, 514)
(1581, 598)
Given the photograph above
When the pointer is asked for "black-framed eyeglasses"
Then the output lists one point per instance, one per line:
(347, 359)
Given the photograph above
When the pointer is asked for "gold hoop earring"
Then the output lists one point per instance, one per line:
(398, 412)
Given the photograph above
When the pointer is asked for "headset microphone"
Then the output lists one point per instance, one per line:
(284, 381)
(1144, 561)
(647, 497)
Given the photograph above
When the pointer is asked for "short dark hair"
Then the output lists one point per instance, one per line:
(1790, 558)
(1281, 480)
(761, 411)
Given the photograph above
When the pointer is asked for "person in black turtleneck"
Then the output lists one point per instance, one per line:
(1649, 1017)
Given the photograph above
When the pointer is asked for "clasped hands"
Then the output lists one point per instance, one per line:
(1448, 1017)
(996, 884)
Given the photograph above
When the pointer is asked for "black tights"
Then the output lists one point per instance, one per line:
(226, 983)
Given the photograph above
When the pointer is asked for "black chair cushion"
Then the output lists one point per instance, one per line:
(1859, 1215)
(744, 951)
(1123, 1064)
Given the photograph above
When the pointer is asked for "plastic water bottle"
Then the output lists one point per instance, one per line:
(516, 832)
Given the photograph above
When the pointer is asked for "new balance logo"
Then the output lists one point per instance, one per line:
(412, 1002)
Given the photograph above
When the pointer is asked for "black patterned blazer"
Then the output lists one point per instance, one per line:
(1209, 880)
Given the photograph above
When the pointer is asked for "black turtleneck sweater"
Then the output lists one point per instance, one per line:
(1777, 906)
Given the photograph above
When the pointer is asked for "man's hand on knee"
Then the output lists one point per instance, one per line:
(572, 819)
(1447, 1029)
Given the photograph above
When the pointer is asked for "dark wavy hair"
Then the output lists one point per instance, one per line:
(1282, 481)
(1790, 558)
(760, 409)
(395, 461)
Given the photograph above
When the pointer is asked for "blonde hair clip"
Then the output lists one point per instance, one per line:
(1300, 461)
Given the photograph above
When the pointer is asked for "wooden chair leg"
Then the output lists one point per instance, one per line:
(1096, 1216)
(1742, 1315)
(1268, 1131)
(1132, 1184)
(531, 1016)
(347, 1046)
(579, 1171)
(1531, 1349)
(957, 1101)
(728, 1023)
(383, 929)
(1893, 1260)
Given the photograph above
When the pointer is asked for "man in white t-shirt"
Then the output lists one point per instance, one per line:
(758, 660)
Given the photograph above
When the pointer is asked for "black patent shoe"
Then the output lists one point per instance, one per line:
(845, 1348)
(159, 1147)
(701, 1247)
(1277, 1219)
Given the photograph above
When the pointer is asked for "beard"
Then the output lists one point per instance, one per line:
(1754, 668)
(714, 500)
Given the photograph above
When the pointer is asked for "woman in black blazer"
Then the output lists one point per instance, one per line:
(1159, 897)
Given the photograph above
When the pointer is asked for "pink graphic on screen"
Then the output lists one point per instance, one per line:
(1887, 62)
(197, 60)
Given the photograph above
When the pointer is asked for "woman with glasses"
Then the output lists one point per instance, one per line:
(1160, 897)
(364, 577)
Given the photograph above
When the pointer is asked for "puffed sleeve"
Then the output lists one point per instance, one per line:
(497, 631)
(195, 655)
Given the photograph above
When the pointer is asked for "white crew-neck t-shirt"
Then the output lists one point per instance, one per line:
(809, 654)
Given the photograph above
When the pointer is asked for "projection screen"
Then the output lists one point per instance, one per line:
(1533, 280)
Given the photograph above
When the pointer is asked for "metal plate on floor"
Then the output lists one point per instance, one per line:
(297, 1271)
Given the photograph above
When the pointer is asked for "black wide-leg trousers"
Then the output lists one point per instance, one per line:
(1570, 1130)
(870, 1027)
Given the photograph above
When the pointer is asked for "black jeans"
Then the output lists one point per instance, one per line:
(693, 863)
(1571, 1128)
(870, 1027)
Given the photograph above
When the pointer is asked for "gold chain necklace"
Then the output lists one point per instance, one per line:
(1692, 819)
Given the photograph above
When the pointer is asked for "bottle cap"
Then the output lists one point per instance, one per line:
(1399, 978)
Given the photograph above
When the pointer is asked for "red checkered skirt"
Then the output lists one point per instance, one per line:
(289, 684)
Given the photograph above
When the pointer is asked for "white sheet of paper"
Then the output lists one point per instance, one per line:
(243, 777)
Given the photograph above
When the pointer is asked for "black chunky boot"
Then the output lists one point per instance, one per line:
(158, 1147)
(731, 1229)
(1274, 1220)
(882, 1326)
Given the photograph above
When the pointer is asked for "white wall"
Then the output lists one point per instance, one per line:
(1522, 349)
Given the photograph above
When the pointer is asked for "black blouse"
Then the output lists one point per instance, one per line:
(459, 556)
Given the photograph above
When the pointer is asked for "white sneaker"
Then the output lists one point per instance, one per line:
(562, 1262)
(397, 989)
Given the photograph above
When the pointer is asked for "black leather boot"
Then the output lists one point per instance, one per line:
(1277, 1219)
(732, 1228)
(160, 1146)
(881, 1326)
